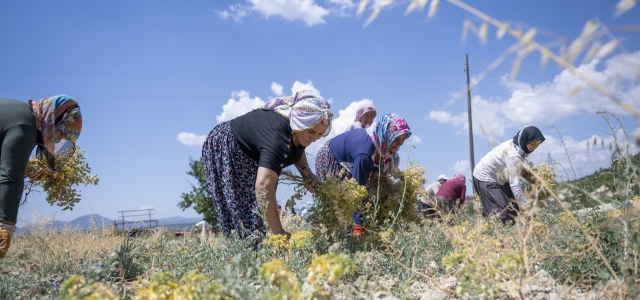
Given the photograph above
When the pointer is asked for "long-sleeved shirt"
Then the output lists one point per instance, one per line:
(501, 165)
(452, 190)
(357, 148)
(432, 189)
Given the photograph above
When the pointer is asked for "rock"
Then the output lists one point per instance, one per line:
(535, 292)
(449, 283)
(383, 296)
(542, 279)
(433, 294)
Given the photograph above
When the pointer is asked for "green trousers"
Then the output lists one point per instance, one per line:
(17, 139)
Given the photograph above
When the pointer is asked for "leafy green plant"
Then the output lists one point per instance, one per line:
(199, 197)
(60, 186)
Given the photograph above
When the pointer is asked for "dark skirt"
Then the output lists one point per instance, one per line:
(497, 200)
(231, 177)
(327, 165)
(437, 207)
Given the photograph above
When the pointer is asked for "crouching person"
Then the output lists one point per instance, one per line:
(444, 200)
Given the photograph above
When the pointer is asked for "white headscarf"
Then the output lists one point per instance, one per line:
(304, 110)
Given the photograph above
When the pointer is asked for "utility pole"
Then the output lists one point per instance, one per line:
(472, 160)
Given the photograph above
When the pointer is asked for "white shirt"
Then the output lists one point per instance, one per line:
(501, 165)
(432, 189)
(304, 213)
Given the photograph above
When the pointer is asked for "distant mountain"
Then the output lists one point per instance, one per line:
(178, 220)
(85, 222)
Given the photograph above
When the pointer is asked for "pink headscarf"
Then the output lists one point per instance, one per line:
(459, 176)
(364, 108)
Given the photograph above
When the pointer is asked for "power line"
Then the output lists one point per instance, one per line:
(228, 76)
(227, 96)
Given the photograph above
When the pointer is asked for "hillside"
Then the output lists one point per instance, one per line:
(602, 185)
(85, 222)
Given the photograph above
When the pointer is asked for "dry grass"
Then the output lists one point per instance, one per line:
(43, 244)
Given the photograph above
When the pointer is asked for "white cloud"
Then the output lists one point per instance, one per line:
(299, 86)
(547, 102)
(148, 207)
(191, 139)
(415, 139)
(276, 88)
(239, 104)
(585, 156)
(307, 11)
(463, 167)
(223, 14)
(341, 7)
(237, 12)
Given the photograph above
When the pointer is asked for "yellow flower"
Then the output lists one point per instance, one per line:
(76, 288)
(615, 214)
(300, 239)
(278, 241)
(329, 267)
(276, 274)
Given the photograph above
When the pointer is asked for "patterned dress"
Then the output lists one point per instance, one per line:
(232, 176)
(327, 165)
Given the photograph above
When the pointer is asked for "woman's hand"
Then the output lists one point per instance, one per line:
(266, 196)
(311, 182)
(285, 233)
(310, 179)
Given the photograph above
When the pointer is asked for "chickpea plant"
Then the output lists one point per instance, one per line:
(60, 186)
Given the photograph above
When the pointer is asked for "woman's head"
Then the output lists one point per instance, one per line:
(459, 177)
(366, 114)
(311, 134)
(528, 139)
(309, 115)
(388, 132)
(59, 122)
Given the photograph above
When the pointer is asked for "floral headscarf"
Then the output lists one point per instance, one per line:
(364, 108)
(304, 110)
(459, 176)
(384, 130)
(59, 122)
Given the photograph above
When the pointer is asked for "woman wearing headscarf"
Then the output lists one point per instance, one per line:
(243, 159)
(364, 116)
(496, 178)
(358, 151)
(450, 191)
(53, 124)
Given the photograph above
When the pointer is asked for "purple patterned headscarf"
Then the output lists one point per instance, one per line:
(384, 130)
(364, 108)
(304, 110)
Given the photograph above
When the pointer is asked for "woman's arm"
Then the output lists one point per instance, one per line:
(514, 166)
(266, 190)
(303, 167)
(463, 191)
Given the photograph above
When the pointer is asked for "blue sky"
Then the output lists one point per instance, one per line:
(154, 77)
